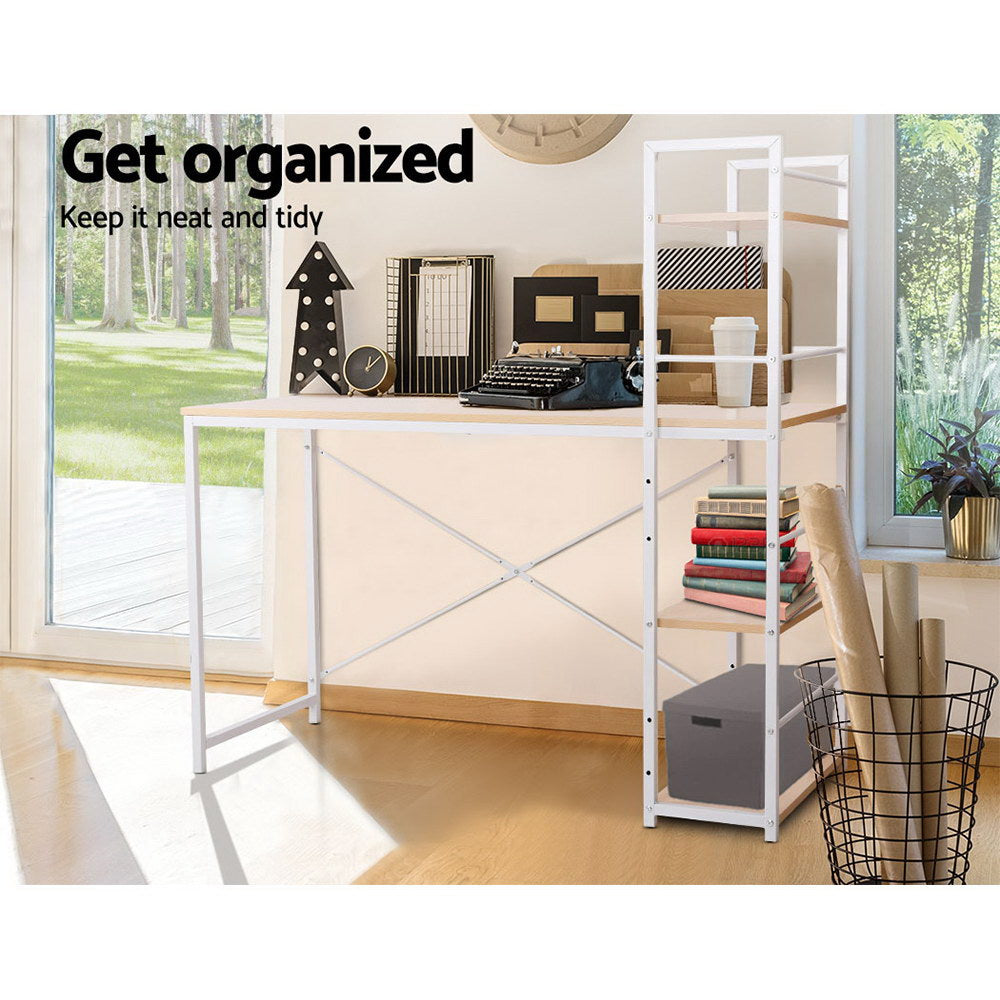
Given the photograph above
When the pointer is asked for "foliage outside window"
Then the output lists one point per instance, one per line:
(947, 249)
(149, 320)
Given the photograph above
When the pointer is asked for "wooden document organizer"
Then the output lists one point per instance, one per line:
(688, 314)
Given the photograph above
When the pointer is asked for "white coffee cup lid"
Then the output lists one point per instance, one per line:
(735, 322)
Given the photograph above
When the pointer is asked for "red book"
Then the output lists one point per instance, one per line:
(732, 536)
(798, 571)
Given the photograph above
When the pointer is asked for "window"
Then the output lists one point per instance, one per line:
(934, 300)
(117, 331)
(140, 330)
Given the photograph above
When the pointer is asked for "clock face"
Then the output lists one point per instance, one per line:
(549, 138)
(369, 370)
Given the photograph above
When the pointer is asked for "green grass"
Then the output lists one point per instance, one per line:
(118, 398)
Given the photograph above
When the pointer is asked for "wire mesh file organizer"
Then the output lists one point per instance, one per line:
(439, 321)
(876, 834)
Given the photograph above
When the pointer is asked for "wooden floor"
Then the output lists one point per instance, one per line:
(119, 557)
(462, 803)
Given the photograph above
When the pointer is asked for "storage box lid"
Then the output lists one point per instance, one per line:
(738, 694)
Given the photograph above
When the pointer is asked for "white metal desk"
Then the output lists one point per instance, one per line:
(310, 414)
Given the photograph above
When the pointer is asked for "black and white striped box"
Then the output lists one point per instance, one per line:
(709, 267)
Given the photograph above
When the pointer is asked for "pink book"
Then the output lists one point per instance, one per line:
(751, 605)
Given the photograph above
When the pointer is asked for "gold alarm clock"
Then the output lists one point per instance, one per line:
(369, 371)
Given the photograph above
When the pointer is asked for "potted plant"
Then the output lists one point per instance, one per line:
(964, 479)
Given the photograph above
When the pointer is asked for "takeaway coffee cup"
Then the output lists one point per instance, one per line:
(733, 335)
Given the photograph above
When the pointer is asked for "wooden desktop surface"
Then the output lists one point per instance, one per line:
(322, 407)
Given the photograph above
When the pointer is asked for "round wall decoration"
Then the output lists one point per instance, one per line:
(549, 138)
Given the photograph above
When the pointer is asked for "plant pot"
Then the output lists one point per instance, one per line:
(972, 527)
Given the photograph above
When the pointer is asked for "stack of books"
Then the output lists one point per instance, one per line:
(729, 569)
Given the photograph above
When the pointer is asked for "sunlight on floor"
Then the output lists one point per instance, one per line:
(10, 867)
(266, 813)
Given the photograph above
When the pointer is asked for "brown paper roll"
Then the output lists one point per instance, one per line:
(901, 661)
(933, 746)
(849, 622)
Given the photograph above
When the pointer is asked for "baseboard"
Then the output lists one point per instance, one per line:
(565, 716)
(494, 711)
(467, 708)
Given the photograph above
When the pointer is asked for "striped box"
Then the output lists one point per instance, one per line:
(709, 267)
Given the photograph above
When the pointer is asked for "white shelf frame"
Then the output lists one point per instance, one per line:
(202, 737)
(386, 418)
(656, 802)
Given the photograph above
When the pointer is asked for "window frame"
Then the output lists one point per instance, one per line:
(875, 138)
(28, 458)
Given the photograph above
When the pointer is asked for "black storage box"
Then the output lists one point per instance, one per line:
(715, 738)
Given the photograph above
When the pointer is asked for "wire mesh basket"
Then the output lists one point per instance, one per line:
(897, 803)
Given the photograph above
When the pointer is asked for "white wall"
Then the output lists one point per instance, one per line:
(384, 567)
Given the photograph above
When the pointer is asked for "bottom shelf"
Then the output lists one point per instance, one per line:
(790, 799)
(708, 617)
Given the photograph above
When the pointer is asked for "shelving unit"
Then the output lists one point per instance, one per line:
(765, 424)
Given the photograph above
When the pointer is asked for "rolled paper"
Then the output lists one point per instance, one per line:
(934, 749)
(849, 622)
(901, 662)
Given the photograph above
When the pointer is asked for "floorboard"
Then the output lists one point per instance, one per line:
(462, 803)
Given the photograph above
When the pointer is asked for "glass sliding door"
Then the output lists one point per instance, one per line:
(145, 321)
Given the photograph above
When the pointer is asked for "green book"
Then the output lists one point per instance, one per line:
(745, 588)
(739, 523)
(747, 493)
(758, 552)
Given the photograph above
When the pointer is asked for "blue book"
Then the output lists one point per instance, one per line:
(733, 563)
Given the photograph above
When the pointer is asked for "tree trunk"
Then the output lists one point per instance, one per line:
(221, 340)
(111, 132)
(178, 254)
(157, 315)
(265, 264)
(68, 279)
(199, 266)
(147, 271)
(237, 243)
(981, 228)
(64, 193)
(119, 313)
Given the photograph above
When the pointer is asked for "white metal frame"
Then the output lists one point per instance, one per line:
(202, 738)
(649, 433)
(778, 168)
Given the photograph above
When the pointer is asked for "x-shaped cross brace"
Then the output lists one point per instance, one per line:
(511, 571)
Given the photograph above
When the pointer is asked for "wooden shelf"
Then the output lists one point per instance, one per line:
(709, 618)
(789, 800)
(746, 418)
(737, 220)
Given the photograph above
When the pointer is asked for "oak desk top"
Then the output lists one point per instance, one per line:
(331, 407)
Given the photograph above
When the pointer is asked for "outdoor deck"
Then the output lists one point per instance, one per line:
(119, 557)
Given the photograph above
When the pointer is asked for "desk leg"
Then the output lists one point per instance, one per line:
(192, 495)
(314, 655)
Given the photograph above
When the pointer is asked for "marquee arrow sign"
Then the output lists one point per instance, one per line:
(319, 320)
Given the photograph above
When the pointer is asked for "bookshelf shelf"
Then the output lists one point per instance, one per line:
(789, 800)
(719, 418)
(738, 220)
(730, 428)
(709, 618)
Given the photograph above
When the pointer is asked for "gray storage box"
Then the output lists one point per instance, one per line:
(715, 738)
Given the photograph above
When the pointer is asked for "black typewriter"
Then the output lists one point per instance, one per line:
(558, 382)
